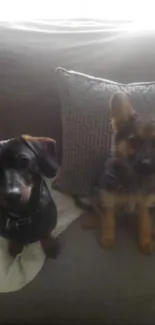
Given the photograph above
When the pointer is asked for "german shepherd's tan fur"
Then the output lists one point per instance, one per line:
(135, 142)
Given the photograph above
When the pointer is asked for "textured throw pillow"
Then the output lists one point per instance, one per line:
(86, 127)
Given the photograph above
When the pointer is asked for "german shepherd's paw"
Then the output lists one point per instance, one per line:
(107, 241)
(147, 246)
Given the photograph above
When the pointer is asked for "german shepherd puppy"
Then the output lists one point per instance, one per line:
(128, 176)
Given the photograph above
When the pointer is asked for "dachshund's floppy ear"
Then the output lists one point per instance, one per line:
(4, 144)
(45, 151)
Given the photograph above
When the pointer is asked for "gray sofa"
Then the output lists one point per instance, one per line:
(85, 284)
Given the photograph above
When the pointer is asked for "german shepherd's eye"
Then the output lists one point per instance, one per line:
(135, 141)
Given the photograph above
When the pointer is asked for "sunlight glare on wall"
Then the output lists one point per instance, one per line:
(13, 10)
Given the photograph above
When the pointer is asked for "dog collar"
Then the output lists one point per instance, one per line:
(10, 223)
(13, 220)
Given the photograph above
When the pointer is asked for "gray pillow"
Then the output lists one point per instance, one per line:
(86, 129)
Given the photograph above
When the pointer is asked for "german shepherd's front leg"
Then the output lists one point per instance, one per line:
(146, 242)
(108, 228)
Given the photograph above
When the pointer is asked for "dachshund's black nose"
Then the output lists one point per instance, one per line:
(13, 196)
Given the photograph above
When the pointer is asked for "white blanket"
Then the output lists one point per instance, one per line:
(16, 273)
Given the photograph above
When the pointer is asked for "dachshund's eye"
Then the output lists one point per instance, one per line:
(23, 162)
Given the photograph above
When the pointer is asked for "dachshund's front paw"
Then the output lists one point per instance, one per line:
(15, 248)
(50, 247)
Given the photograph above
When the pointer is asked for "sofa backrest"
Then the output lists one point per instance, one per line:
(29, 101)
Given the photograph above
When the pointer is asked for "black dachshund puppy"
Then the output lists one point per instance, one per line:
(27, 210)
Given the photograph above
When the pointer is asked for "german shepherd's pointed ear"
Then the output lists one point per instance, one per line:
(45, 151)
(121, 110)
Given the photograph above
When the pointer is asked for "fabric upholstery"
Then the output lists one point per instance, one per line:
(88, 285)
(86, 127)
(31, 51)
(85, 285)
